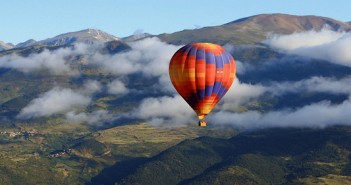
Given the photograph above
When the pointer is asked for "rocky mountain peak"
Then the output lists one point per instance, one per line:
(88, 36)
(27, 43)
(5, 46)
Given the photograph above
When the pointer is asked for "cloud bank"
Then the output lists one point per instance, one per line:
(313, 84)
(95, 117)
(171, 110)
(174, 110)
(56, 101)
(91, 87)
(117, 87)
(318, 115)
(325, 45)
(150, 58)
(57, 62)
(241, 93)
(66, 101)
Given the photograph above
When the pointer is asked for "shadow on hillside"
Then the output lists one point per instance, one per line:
(115, 173)
(271, 156)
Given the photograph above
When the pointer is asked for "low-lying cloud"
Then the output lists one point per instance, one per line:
(91, 87)
(150, 52)
(66, 101)
(313, 84)
(169, 110)
(326, 44)
(55, 101)
(150, 58)
(317, 115)
(95, 117)
(156, 110)
(117, 87)
(241, 93)
(57, 62)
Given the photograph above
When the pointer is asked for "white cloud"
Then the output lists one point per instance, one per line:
(57, 62)
(165, 110)
(325, 44)
(168, 110)
(56, 101)
(313, 84)
(241, 67)
(156, 55)
(117, 87)
(96, 117)
(304, 39)
(119, 64)
(165, 85)
(148, 56)
(318, 115)
(240, 93)
(91, 87)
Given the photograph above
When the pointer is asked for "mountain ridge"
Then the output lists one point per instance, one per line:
(253, 29)
(87, 36)
(247, 30)
(5, 46)
(26, 43)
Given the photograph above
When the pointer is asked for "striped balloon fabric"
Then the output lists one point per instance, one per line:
(202, 73)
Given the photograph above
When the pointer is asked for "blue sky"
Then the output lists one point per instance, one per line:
(40, 19)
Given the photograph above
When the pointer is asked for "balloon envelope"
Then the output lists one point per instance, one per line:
(202, 73)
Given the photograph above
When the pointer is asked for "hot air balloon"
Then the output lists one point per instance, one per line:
(202, 73)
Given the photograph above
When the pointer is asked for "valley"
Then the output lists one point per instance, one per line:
(87, 107)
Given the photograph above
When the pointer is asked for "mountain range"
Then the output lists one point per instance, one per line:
(247, 30)
(5, 46)
(99, 113)
(254, 29)
(87, 36)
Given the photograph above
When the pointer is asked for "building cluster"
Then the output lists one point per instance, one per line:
(25, 133)
(61, 153)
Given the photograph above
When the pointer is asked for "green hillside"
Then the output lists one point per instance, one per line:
(275, 156)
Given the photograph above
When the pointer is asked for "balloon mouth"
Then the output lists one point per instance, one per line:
(202, 122)
(201, 116)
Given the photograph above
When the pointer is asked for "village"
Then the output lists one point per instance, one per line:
(31, 133)
(61, 153)
(24, 133)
